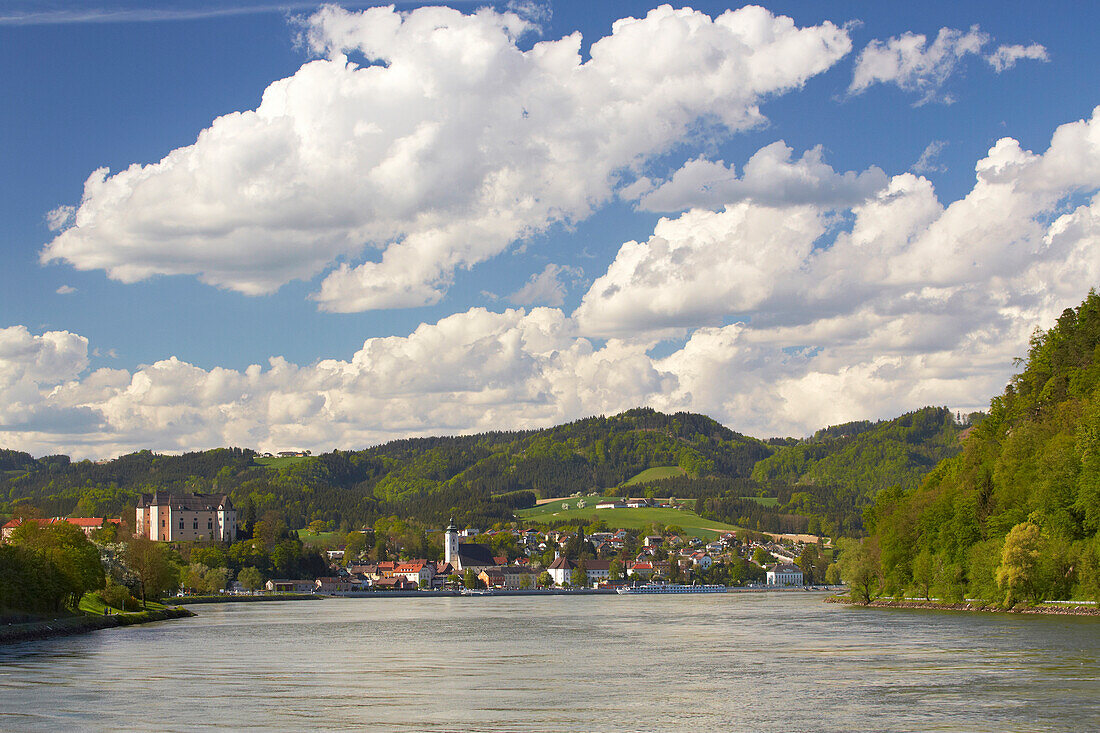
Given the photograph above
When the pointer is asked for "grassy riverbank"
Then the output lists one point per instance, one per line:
(1048, 609)
(64, 626)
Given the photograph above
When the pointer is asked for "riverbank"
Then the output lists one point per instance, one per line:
(185, 600)
(1060, 609)
(15, 633)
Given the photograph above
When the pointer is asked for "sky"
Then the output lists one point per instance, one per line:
(292, 226)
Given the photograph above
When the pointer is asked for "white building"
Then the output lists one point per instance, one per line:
(787, 574)
(186, 518)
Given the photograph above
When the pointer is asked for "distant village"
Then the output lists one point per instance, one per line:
(599, 559)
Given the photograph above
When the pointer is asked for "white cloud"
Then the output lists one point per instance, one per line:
(927, 161)
(1005, 57)
(909, 62)
(65, 290)
(59, 218)
(546, 287)
(446, 146)
(914, 303)
(771, 177)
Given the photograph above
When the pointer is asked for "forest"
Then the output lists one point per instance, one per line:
(820, 484)
(1015, 515)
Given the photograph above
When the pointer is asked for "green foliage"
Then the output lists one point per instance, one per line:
(1015, 515)
(865, 458)
(250, 578)
(46, 568)
(860, 568)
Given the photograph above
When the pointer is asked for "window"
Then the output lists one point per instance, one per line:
(162, 523)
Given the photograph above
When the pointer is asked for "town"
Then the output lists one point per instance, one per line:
(201, 528)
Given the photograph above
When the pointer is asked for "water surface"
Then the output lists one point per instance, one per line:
(754, 662)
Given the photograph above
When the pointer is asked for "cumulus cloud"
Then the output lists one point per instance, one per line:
(771, 177)
(915, 66)
(1005, 57)
(912, 302)
(546, 287)
(65, 290)
(426, 141)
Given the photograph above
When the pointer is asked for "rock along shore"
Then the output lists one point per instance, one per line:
(15, 633)
(1067, 609)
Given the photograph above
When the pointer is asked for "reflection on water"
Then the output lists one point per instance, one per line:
(608, 663)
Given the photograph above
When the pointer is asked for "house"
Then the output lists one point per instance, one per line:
(785, 574)
(611, 504)
(638, 503)
(395, 583)
(652, 540)
(561, 570)
(165, 517)
(335, 585)
(702, 560)
(87, 524)
(421, 572)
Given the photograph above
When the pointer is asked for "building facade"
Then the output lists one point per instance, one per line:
(164, 517)
(786, 574)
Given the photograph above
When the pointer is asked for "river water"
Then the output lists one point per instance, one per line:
(751, 662)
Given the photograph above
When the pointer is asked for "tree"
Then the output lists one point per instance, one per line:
(808, 561)
(545, 581)
(251, 578)
(859, 568)
(924, 572)
(832, 574)
(469, 578)
(64, 547)
(579, 577)
(153, 566)
(525, 581)
(1018, 574)
(354, 545)
(615, 571)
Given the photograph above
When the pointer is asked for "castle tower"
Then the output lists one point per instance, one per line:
(450, 545)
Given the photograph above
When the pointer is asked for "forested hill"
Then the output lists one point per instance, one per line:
(1021, 503)
(482, 478)
(864, 458)
(424, 478)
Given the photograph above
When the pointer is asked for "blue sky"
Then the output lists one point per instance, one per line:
(426, 258)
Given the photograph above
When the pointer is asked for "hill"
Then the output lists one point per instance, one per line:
(483, 479)
(864, 457)
(1016, 513)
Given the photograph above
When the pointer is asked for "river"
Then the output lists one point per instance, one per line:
(752, 662)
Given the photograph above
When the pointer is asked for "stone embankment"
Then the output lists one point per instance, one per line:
(1060, 609)
(14, 633)
(248, 599)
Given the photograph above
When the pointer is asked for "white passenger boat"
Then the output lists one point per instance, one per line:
(651, 588)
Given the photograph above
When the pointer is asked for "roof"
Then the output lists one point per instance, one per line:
(470, 554)
(78, 521)
(187, 502)
(562, 563)
(786, 568)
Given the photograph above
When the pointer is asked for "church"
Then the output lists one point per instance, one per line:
(462, 555)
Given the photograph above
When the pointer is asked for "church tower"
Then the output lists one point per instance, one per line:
(450, 545)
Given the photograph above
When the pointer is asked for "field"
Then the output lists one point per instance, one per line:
(279, 462)
(323, 540)
(692, 523)
(655, 474)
